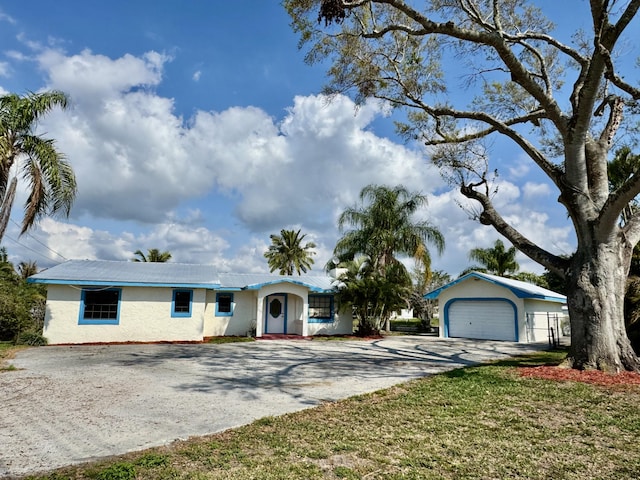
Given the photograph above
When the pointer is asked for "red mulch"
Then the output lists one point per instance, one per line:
(594, 377)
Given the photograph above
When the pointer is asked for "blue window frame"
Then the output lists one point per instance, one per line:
(181, 303)
(224, 304)
(100, 306)
(321, 309)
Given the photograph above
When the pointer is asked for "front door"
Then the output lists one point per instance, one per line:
(276, 317)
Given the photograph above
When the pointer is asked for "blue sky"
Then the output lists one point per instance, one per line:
(196, 127)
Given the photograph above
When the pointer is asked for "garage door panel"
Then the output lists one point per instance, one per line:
(482, 319)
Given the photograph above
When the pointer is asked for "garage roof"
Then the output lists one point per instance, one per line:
(157, 274)
(519, 288)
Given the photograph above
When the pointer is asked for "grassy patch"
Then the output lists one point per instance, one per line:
(218, 340)
(7, 351)
(479, 422)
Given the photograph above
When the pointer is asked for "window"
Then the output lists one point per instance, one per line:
(320, 308)
(181, 304)
(224, 304)
(100, 307)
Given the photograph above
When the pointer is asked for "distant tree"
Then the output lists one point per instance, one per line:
(50, 178)
(21, 304)
(27, 268)
(153, 255)
(496, 260)
(287, 254)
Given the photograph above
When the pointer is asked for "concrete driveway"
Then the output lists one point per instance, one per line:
(68, 405)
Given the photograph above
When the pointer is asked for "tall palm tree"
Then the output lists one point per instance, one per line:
(383, 227)
(52, 183)
(287, 254)
(153, 255)
(496, 260)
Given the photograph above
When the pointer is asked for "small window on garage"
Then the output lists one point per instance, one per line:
(100, 306)
(320, 308)
(181, 304)
(224, 304)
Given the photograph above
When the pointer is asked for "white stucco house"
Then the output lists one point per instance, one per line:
(483, 306)
(91, 301)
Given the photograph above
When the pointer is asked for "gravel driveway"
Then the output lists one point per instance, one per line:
(70, 404)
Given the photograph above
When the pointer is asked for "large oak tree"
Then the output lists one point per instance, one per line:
(560, 102)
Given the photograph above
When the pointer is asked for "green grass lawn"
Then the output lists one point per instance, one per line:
(483, 422)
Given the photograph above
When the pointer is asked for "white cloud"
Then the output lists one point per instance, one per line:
(196, 76)
(532, 190)
(7, 18)
(139, 163)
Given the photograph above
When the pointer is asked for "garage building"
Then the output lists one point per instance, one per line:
(482, 306)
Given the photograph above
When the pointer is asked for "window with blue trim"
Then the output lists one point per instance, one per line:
(224, 304)
(181, 303)
(100, 307)
(320, 309)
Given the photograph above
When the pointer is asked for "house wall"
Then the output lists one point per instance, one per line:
(242, 320)
(342, 325)
(144, 316)
(541, 315)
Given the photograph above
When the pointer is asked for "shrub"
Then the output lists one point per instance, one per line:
(33, 339)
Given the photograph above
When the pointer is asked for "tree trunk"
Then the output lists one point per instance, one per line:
(595, 297)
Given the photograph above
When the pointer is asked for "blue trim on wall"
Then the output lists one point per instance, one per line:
(99, 321)
(481, 299)
(258, 286)
(232, 307)
(516, 291)
(175, 314)
(330, 319)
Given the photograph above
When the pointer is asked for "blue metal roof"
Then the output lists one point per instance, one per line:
(155, 274)
(520, 289)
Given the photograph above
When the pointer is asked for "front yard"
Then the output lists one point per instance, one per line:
(478, 422)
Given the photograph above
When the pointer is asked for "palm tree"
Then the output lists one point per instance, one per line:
(153, 255)
(28, 268)
(52, 183)
(384, 228)
(496, 260)
(287, 254)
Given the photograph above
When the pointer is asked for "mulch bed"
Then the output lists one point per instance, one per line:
(593, 377)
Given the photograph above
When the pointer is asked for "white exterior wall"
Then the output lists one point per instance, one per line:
(144, 316)
(242, 320)
(342, 325)
(536, 312)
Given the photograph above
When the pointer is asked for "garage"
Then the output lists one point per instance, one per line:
(487, 319)
(482, 306)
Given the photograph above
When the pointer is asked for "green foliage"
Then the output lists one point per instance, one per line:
(33, 339)
(153, 255)
(496, 260)
(373, 295)
(50, 178)
(287, 254)
(118, 471)
(21, 304)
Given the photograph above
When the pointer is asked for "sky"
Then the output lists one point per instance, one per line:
(196, 127)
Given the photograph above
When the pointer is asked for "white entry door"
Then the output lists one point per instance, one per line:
(276, 318)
